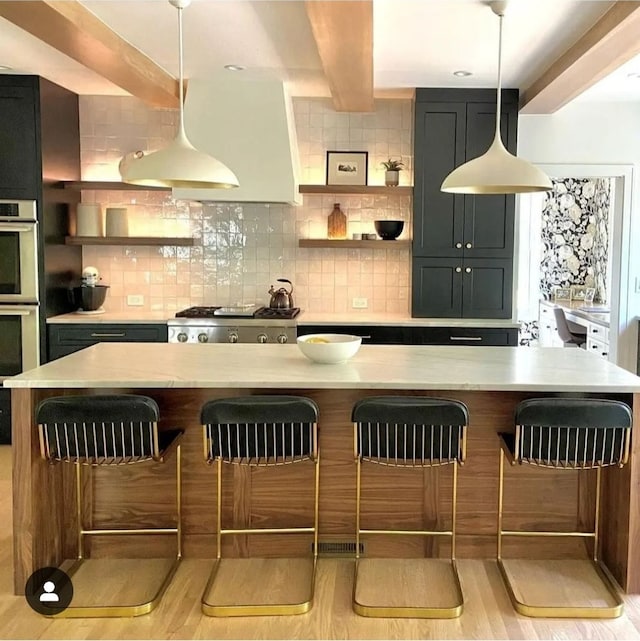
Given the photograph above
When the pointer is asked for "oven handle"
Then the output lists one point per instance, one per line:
(17, 310)
(17, 227)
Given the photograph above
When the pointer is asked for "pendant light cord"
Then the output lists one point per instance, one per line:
(499, 99)
(181, 71)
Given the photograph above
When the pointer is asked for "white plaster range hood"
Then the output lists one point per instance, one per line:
(247, 123)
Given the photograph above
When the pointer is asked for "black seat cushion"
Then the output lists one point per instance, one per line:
(260, 427)
(111, 427)
(572, 431)
(412, 430)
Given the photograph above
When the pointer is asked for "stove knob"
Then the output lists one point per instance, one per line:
(262, 338)
(202, 338)
(233, 337)
(282, 339)
(182, 337)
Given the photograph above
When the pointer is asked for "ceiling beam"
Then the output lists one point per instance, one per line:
(343, 32)
(73, 30)
(611, 42)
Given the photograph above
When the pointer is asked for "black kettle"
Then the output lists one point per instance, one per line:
(281, 298)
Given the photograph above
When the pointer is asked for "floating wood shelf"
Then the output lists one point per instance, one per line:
(128, 240)
(356, 189)
(78, 185)
(354, 244)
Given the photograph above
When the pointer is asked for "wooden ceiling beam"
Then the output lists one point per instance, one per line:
(343, 32)
(612, 41)
(73, 30)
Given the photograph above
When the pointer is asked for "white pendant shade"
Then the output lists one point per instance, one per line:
(179, 164)
(497, 171)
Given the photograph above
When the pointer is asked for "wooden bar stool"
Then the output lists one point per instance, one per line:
(412, 432)
(111, 431)
(564, 434)
(261, 431)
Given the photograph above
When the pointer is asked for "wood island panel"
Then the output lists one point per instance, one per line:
(144, 494)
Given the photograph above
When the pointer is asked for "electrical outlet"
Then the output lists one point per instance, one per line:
(135, 299)
(360, 303)
(637, 285)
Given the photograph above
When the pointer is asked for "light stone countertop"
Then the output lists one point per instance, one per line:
(366, 318)
(304, 318)
(384, 367)
(132, 316)
(575, 309)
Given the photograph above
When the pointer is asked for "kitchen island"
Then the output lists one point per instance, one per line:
(490, 380)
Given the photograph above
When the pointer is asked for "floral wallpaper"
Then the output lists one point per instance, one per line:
(575, 238)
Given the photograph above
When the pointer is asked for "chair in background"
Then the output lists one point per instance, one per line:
(111, 431)
(564, 434)
(570, 333)
(261, 432)
(411, 432)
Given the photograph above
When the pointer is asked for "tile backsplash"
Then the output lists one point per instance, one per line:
(240, 249)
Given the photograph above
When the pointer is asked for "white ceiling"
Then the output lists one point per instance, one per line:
(416, 42)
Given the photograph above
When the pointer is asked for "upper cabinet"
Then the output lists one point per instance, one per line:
(453, 126)
(20, 167)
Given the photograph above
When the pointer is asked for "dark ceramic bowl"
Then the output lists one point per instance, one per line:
(389, 229)
(89, 299)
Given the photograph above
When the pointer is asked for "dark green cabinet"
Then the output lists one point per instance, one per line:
(66, 338)
(411, 335)
(453, 126)
(467, 288)
(5, 415)
(20, 158)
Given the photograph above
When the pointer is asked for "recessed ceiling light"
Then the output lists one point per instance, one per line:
(634, 74)
(462, 73)
(234, 67)
(5, 68)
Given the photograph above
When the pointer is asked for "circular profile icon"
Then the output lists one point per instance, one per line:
(49, 591)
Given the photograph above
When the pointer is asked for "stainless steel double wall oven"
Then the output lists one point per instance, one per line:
(19, 304)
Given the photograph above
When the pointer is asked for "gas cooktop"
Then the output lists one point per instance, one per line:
(251, 311)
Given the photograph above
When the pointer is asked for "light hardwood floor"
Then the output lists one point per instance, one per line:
(488, 613)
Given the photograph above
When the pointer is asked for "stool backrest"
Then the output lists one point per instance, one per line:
(102, 429)
(576, 433)
(410, 430)
(260, 430)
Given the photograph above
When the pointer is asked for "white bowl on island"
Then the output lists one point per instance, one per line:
(329, 348)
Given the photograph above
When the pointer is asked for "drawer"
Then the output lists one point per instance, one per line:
(5, 416)
(371, 334)
(598, 332)
(465, 336)
(104, 333)
(597, 347)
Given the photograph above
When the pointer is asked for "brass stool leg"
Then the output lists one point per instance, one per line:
(551, 610)
(260, 609)
(420, 612)
(104, 611)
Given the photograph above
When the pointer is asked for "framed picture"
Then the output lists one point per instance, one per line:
(578, 292)
(562, 293)
(347, 167)
(589, 294)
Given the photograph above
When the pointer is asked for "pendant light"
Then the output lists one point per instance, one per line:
(179, 164)
(497, 171)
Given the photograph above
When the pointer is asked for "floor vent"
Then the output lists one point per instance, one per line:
(338, 548)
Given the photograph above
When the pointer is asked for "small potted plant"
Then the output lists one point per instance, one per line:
(392, 173)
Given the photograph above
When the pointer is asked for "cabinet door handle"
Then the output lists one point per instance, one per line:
(458, 245)
(467, 269)
(458, 270)
(360, 336)
(465, 338)
(107, 335)
(468, 245)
